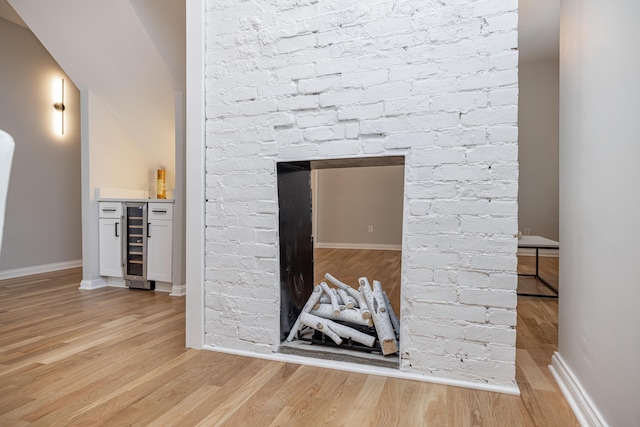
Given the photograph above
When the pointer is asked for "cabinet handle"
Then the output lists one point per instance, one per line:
(162, 211)
(108, 210)
(116, 224)
(148, 229)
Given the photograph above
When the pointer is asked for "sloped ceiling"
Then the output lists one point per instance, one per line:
(7, 12)
(104, 47)
(165, 23)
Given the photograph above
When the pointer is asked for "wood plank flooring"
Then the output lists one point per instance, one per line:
(348, 265)
(113, 356)
(547, 269)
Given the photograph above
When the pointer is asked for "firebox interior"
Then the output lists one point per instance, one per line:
(297, 243)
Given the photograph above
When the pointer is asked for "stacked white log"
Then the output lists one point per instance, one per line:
(392, 315)
(380, 314)
(336, 331)
(312, 301)
(349, 315)
(360, 301)
(366, 307)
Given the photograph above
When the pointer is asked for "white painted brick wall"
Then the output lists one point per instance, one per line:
(434, 81)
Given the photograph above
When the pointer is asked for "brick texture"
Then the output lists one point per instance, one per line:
(435, 81)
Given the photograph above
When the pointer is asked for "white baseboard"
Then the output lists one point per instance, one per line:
(37, 269)
(582, 406)
(116, 282)
(367, 369)
(97, 283)
(178, 290)
(119, 282)
(163, 286)
(370, 246)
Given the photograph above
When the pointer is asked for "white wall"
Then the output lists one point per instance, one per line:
(538, 147)
(43, 207)
(351, 199)
(165, 23)
(599, 336)
(116, 161)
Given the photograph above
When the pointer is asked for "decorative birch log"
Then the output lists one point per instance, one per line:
(377, 292)
(336, 329)
(392, 315)
(347, 300)
(381, 320)
(313, 300)
(327, 306)
(364, 307)
(340, 302)
(325, 299)
(342, 306)
(337, 282)
(361, 302)
(352, 315)
(320, 324)
(332, 296)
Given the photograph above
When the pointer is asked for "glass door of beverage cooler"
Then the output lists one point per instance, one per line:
(136, 241)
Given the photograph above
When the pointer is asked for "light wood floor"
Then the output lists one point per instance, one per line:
(547, 269)
(348, 265)
(116, 357)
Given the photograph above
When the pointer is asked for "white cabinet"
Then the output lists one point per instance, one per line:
(157, 237)
(110, 235)
(159, 242)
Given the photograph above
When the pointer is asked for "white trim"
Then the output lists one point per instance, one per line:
(582, 406)
(371, 246)
(37, 269)
(315, 189)
(163, 287)
(195, 174)
(178, 290)
(178, 275)
(366, 369)
(90, 284)
(116, 282)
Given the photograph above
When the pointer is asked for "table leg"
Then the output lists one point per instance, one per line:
(544, 282)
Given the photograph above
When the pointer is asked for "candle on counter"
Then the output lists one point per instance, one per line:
(161, 182)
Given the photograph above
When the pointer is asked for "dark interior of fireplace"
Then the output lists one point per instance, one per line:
(296, 241)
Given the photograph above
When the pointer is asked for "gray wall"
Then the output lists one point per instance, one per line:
(351, 199)
(43, 219)
(599, 340)
(538, 147)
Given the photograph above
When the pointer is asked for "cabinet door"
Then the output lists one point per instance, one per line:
(159, 249)
(110, 247)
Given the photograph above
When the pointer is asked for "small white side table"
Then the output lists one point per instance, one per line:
(537, 243)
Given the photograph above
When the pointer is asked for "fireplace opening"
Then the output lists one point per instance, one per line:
(340, 220)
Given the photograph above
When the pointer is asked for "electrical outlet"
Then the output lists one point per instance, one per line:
(527, 232)
(370, 229)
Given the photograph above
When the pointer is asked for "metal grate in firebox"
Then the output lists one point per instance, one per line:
(305, 347)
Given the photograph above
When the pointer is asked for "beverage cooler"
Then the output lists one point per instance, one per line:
(135, 246)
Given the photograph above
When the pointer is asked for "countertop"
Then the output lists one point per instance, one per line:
(136, 200)
(537, 242)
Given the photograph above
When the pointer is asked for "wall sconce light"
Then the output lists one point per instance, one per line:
(58, 106)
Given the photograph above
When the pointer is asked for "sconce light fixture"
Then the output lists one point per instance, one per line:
(58, 106)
